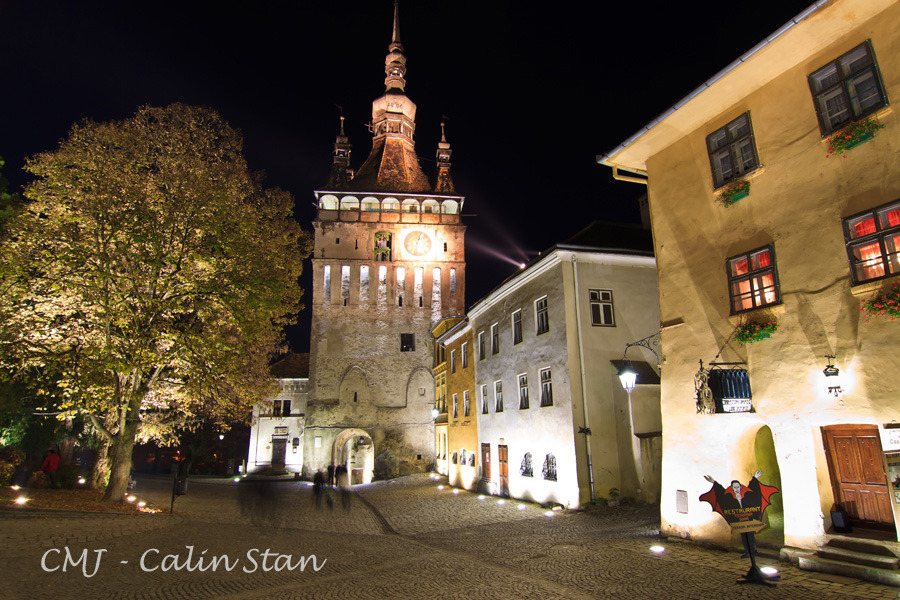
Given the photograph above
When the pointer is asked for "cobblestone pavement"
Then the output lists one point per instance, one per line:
(405, 540)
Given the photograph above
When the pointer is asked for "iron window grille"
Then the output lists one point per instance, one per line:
(549, 469)
(526, 469)
(602, 313)
(732, 152)
(873, 243)
(753, 280)
(541, 316)
(546, 388)
(847, 89)
(523, 391)
(517, 327)
(498, 396)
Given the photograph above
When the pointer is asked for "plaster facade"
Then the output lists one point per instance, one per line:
(564, 353)
(277, 427)
(799, 204)
(458, 368)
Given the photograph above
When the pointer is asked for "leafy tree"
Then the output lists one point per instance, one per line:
(151, 274)
(10, 203)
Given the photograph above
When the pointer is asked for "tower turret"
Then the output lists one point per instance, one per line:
(444, 183)
(341, 173)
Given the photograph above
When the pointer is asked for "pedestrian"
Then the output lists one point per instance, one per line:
(343, 482)
(318, 484)
(51, 463)
(331, 474)
(329, 496)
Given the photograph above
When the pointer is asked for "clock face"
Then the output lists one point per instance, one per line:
(417, 243)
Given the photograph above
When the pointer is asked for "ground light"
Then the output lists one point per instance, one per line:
(131, 498)
(21, 500)
(549, 513)
(657, 549)
(81, 480)
(16, 488)
(481, 497)
(455, 491)
(501, 501)
(237, 479)
(142, 504)
(440, 487)
(521, 507)
(769, 571)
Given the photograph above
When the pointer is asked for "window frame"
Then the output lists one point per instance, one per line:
(734, 145)
(880, 235)
(601, 303)
(541, 316)
(546, 387)
(455, 406)
(410, 344)
(495, 338)
(482, 346)
(466, 404)
(464, 354)
(484, 399)
(523, 391)
(752, 275)
(453, 361)
(516, 318)
(498, 396)
(842, 89)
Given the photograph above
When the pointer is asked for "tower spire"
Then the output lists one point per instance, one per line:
(444, 183)
(395, 62)
(341, 173)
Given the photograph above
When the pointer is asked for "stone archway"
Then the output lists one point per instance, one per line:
(355, 449)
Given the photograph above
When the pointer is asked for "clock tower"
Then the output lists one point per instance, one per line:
(388, 264)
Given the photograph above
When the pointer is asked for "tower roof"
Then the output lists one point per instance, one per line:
(392, 164)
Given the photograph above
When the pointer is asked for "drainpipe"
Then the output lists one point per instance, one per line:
(587, 423)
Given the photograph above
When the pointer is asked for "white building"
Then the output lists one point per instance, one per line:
(546, 347)
(276, 428)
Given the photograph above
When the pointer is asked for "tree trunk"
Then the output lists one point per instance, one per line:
(120, 450)
(100, 469)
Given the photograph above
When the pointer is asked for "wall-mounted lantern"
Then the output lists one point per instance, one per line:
(627, 374)
(833, 377)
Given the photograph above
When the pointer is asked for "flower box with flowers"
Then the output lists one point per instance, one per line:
(734, 193)
(853, 135)
(751, 332)
(885, 304)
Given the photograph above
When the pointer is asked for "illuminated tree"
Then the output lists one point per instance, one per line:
(151, 274)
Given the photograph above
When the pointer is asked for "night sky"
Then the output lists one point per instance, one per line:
(532, 92)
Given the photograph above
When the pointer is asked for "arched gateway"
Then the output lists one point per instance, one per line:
(354, 448)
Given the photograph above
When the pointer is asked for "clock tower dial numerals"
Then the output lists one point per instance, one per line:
(417, 243)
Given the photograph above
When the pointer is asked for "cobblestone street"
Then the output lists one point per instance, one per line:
(405, 539)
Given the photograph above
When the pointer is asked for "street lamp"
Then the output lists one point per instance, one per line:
(832, 377)
(628, 376)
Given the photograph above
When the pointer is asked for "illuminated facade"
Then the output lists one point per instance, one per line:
(544, 346)
(455, 378)
(277, 424)
(817, 236)
(388, 264)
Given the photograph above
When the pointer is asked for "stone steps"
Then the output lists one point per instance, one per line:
(855, 558)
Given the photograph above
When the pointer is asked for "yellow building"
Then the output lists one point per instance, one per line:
(817, 236)
(455, 377)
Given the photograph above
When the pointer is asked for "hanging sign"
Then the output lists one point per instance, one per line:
(742, 506)
(890, 439)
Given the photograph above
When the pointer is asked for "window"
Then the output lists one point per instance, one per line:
(847, 89)
(546, 388)
(873, 243)
(453, 361)
(526, 469)
(462, 456)
(281, 408)
(495, 338)
(453, 458)
(465, 354)
(407, 342)
(549, 470)
(732, 151)
(523, 391)
(455, 407)
(481, 348)
(517, 326)
(498, 396)
(753, 280)
(466, 410)
(541, 317)
(484, 399)
(471, 459)
(602, 313)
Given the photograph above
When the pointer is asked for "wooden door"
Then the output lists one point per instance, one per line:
(486, 462)
(279, 449)
(857, 473)
(503, 461)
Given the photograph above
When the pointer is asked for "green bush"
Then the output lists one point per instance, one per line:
(7, 470)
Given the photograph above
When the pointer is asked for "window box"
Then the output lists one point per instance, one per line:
(885, 304)
(752, 332)
(854, 134)
(734, 193)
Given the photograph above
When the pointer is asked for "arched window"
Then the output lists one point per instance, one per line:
(410, 206)
(349, 203)
(549, 470)
(328, 202)
(430, 206)
(371, 204)
(449, 207)
(390, 205)
(526, 469)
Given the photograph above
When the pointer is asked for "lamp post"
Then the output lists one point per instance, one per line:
(833, 377)
(627, 375)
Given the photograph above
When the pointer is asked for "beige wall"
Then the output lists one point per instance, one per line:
(797, 201)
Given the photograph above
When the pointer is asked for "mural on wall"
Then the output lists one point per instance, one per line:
(742, 506)
(382, 246)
